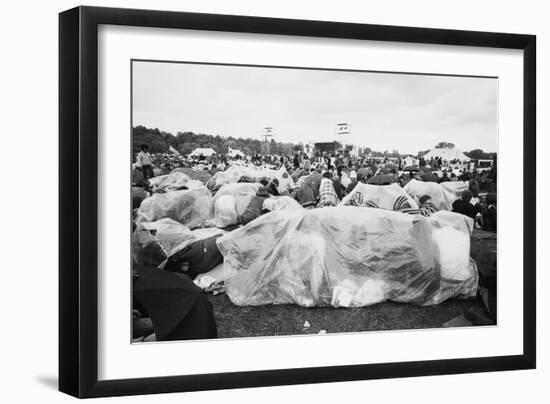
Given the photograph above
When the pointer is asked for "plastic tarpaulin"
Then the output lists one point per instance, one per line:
(281, 202)
(384, 196)
(193, 207)
(169, 182)
(231, 202)
(337, 257)
(154, 242)
(236, 172)
(455, 187)
(441, 197)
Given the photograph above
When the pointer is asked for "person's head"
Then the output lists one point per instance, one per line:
(144, 148)
(424, 198)
(491, 198)
(327, 174)
(466, 195)
(353, 175)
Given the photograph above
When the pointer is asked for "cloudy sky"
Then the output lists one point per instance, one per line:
(386, 111)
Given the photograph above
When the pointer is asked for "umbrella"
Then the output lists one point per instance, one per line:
(177, 307)
(383, 179)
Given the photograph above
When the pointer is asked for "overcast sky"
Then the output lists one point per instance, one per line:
(386, 111)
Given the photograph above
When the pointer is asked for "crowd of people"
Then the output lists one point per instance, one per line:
(324, 179)
(318, 180)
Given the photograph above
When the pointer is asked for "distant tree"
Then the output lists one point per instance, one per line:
(478, 154)
(445, 145)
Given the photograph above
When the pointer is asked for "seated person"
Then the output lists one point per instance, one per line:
(327, 194)
(256, 206)
(305, 195)
(196, 258)
(464, 206)
(489, 213)
(354, 180)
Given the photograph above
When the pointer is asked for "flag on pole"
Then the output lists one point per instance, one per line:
(171, 149)
(343, 128)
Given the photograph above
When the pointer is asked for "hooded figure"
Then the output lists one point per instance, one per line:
(489, 213)
(306, 195)
(273, 187)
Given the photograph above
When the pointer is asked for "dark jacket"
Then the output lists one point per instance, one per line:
(306, 195)
(465, 208)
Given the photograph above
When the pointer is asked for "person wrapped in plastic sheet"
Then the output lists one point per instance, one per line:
(349, 256)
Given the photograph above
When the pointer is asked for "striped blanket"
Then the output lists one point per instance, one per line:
(401, 204)
(327, 194)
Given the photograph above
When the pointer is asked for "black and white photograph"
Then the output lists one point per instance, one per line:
(272, 201)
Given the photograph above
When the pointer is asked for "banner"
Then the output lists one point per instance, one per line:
(343, 128)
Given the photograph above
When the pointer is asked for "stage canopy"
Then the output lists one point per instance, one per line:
(447, 154)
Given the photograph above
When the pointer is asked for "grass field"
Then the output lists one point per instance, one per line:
(235, 321)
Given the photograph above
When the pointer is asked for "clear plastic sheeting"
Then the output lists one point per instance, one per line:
(234, 173)
(193, 207)
(169, 182)
(153, 242)
(441, 197)
(281, 203)
(232, 200)
(225, 211)
(196, 235)
(384, 196)
(349, 257)
(455, 187)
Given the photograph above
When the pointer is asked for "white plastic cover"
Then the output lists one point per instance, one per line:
(384, 196)
(232, 200)
(336, 256)
(281, 202)
(154, 242)
(193, 207)
(455, 187)
(235, 172)
(169, 182)
(225, 211)
(441, 197)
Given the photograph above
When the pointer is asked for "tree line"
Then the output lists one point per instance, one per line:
(185, 142)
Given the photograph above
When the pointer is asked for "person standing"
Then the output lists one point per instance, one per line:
(145, 162)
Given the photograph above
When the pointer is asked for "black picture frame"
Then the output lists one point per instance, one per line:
(78, 206)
